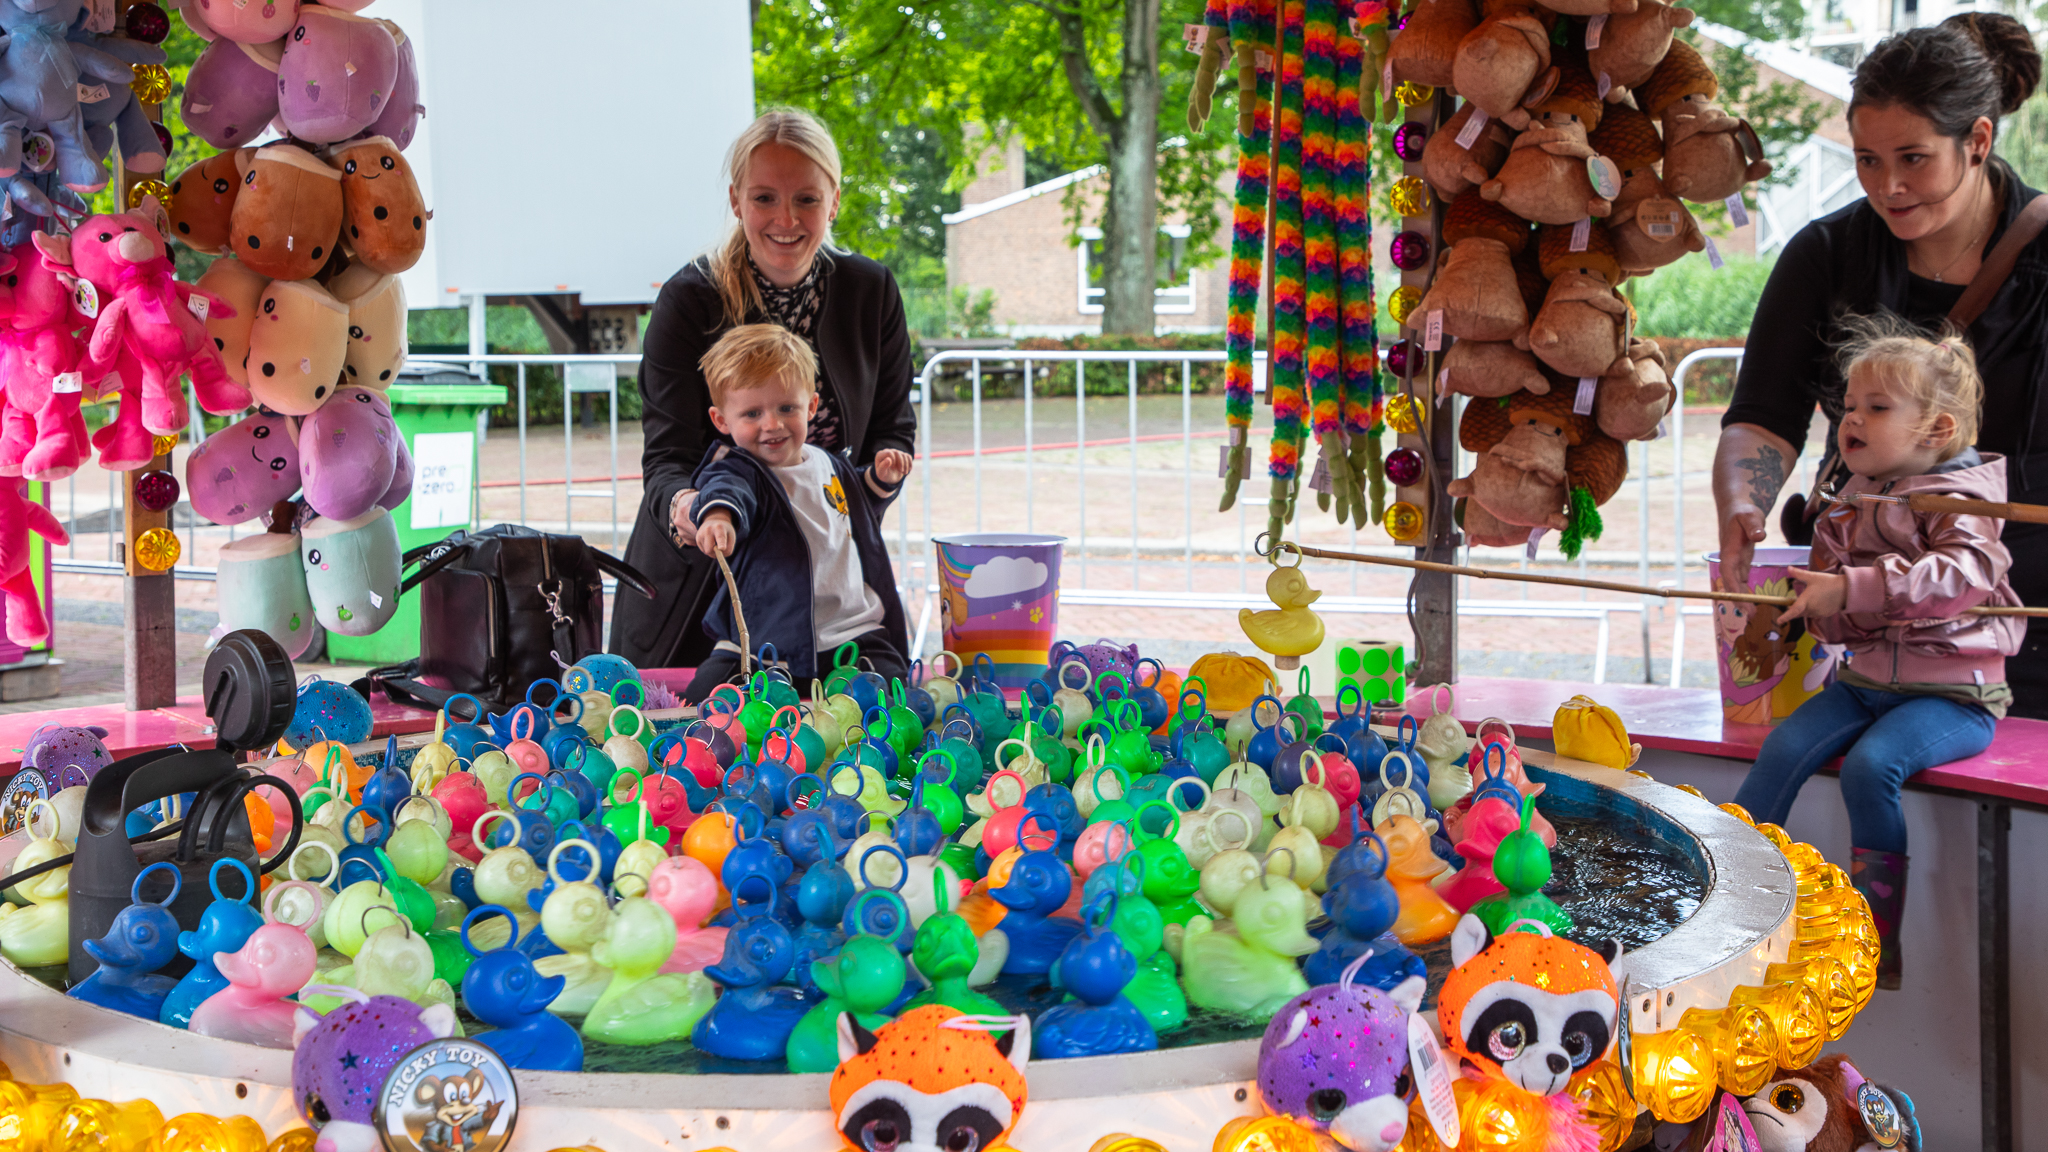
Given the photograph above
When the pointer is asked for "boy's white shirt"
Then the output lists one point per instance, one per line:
(842, 605)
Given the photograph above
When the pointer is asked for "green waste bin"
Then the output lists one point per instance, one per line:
(436, 409)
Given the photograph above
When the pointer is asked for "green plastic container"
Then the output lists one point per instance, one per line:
(442, 407)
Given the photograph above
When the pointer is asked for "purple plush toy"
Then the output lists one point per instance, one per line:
(401, 115)
(231, 96)
(67, 757)
(1105, 655)
(263, 23)
(1335, 1059)
(338, 71)
(401, 480)
(348, 453)
(342, 1059)
(236, 474)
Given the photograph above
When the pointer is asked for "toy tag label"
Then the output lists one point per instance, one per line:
(1738, 215)
(91, 93)
(1262, 60)
(376, 600)
(1603, 85)
(1387, 81)
(1605, 176)
(1443, 386)
(1593, 30)
(1237, 436)
(1353, 25)
(1433, 1080)
(1663, 429)
(1474, 125)
(86, 299)
(199, 306)
(1625, 1044)
(1433, 331)
(68, 382)
(1244, 466)
(1732, 1131)
(1195, 37)
(1582, 234)
(1713, 253)
(448, 1094)
(1658, 218)
(1880, 1115)
(1582, 404)
(24, 788)
(103, 18)
(1535, 540)
(38, 151)
(1319, 480)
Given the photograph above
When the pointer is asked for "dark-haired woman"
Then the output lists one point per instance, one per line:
(1923, 115)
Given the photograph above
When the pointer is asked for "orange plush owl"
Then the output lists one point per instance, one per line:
(1526, 1006)
(932, 1068)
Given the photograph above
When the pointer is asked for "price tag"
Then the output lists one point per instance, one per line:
(1603, 85)
(1387, 81)
(1433, 331)
(1319, 480)
(1195, 37)
(1731, 1130)
(68, 382)
(1713, 253)
(1663, 429)
(376, 600)
(1237, 436)
(1433, 1080)
(1262, 60)
(1443, 386)
(1737, 214)
(1582, 403)
(1593, 29)
(1473, 127)
(103, 18)
(1658, 218)
(1582, 233)
(86, 299)
(199, 305)
(1244, 467)
(1605, 176)
(1535, 538)
(38, 151)
(91, 93)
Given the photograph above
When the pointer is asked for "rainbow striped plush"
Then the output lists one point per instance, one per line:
(1318, 212)
(1359, 348)
(1249, 23)
(1290, 255)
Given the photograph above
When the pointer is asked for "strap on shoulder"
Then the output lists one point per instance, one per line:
(1998, 263)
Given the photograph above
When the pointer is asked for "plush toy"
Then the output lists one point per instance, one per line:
(384, 216)
(376, 324)
(348, 453)
(1491, 368)
(1475, 284)
(203, 201)
(402, 109)
(337, 71)
(1540, 464)
(239, 472)
(297, 346)
(1635, 395)
(233, 281)
(113, 112)
(1590, 7)
(352, 571)
(248, 23)
(27, 624)
(343, 1058)
(1335, 1059)
(932, 1078)
(1708, 154)
(231, 95)
(41, 366)
(1454, 169)
(40, 77)
(1632, 44)
(67, 755)
(1545, 176)
(1649, 227)
(288, 213)
(1580, 330)
(262, 585)
(1501, 59)
(1427, 47)
(1826, 1106)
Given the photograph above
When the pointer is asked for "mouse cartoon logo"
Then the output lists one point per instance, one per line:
(451, 1095)
(458, 1109)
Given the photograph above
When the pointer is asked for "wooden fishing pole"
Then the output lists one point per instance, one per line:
(1602, 585)
(1936, 503)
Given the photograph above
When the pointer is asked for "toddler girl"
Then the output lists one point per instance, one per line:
(1924, 680)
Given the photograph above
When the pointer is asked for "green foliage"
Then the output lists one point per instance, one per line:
(1781, 113)
(1114, 379)
(1693, 300)
(1762, 19)
(2023, 140)
(937, 312)
(510, 330)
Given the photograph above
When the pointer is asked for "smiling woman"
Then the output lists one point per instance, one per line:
(778, 265)
(1938, 202)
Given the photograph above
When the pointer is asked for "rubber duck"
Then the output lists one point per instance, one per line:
(38, 934)
(503, 989)
(394, 960)
(752, 1020)
(686, 889)
(864, 977)
(1169, 880)
(1362, 907)
(142, 939)
(1037, 887)
(1097, 1019)
(1248, 967)
(574, 916)
(225, 926)
(821, 898)
(643, 1004)
(1291, 631)
(1490, 822)
(1425, 916)
(1155, 985)
(1522, 865)
(952, 963)
(255, 1007)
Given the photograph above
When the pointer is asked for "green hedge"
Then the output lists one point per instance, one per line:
(511, 330)
(1113, 379)
(1693, 300)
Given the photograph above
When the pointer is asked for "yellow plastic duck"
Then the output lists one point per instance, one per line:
(36, 932)
(1292, 631)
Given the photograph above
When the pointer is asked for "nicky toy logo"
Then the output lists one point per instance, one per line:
(448, 1096)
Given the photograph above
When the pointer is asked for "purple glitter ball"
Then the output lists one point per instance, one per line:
(1408, 141)
(1410, 250)
(1396, 358)
(1404, 466)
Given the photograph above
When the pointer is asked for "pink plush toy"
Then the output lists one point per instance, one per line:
(275, 963)
(26, 623)
(337, 72)
(147, 328)
(236, 474)
(43, 436)
(257, 22)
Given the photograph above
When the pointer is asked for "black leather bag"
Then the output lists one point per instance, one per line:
(500, 609)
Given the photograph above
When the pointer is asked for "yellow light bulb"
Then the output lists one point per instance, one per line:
(1744, 1044)
(1404, 522)
(1690, 790)
(303, 1139)
(1675, 1074)
(1604, 1102)
(1409, 196)
(1265, 1134)
(1740, 813)
(1413, 95)
(1503, 1117)
(1799, 1018)
(1403, 415)
(198, 1132)
(1124, 1142)
(100, 1126)
(144, 189)
(158, 549)
(1829, 980)
(164, 443)
(1775, 835)
(152, 83)
(1401, 303)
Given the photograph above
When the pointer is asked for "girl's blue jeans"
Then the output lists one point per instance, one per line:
(1882, 737)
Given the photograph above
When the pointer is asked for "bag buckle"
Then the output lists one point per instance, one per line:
(553, 599)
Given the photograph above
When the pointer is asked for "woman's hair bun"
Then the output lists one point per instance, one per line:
(2011, 50)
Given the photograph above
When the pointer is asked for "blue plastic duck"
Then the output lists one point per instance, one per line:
(503, 989)
(752, 1020)
(225, 926)
(1362, 906)
(1038, 887)
(821, 897)
(1099, 1020)
(142, 939)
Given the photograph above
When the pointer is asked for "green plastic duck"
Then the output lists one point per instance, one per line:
(865, 976)
(1522, 865)
(946, 954)
(643, 1004)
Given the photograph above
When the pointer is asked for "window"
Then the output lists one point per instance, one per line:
(1176, 290)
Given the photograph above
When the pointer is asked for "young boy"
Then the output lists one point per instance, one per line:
(803, 525)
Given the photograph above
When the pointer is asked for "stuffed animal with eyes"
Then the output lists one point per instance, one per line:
(1541, 465)
(922, 1078)
(239, 472)
(44, 435)
(243, 289)
(384, 216)
(298, 343)
(1708, 153)
(231, 95)
(202, 203)
(41, 73)
(1826, 1106)
(27, 624)
(112, 111)
(376, 324)
(337, 72)
(288, 213)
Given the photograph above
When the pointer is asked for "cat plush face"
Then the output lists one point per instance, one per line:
(1531, 1008)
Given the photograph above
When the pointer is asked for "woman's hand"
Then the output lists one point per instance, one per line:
(892, 465)
(1750, 468)
(1820, 594)
(682, 529)
(1742, 529)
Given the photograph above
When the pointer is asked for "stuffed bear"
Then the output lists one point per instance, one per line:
(1708, 154)
(41, 367)
(112, 112)
(231, 95)
(352, 571)
(1475, 283)
(1425, 50)
(202, 203)
(1635, 395)
(337, 71)
(1502, 58)
(402, 110)
(1631, 45)
(261, 22)
(232, 281)
(1540, 464)
(27, 624)
(348, 453)
(41, 72)
(288, 213)
(1582, 325)
(384, 215)
(376, 324)
(1816, 1109)
(1590, 7)
(236, 474)
(1545, 177)
(297, 347)
(1491, 368)
(1649, 228)
(262, 585)
(1453, 169)
(1484, 529)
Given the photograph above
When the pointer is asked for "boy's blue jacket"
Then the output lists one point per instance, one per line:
(772, 562)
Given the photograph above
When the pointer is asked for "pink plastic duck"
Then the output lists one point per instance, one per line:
(684, 886)
(275, 963)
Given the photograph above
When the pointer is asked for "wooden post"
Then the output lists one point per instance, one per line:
(1435, 594)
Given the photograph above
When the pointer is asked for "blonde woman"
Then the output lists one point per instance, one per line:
(778, 265)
